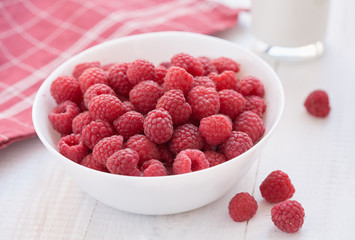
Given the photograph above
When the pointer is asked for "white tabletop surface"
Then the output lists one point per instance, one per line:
(38, 200)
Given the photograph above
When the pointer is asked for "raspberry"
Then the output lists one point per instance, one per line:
(203, 101)
(236, 144)
(190, 160)
(317, 104)
(288, 216)
(178, 78)
(277, 187)
(92, 76)
(106, 107)
(144, 96)
(146, 149)
(80, 68)
(232, 103)
(174, 102)
(107, 67)
(224, 80)
(250, 85)
(129, 124)
(250, 123)
(128, 106)
(225, 64)
(216, 128)
(165, 64)
(117, 79)
(70, 146)
(124, 162)
(61, 117)
(160, 72)
(96, 90)
(140, 70)
(90, 162)
(166, 156)
(242, 207)
(95, 131)
(214, 158)
(66, 88)
(255, 104)
(187, 62)
(106, 147)
(158, 126)
(80, 121)
(186, 136)
(153, 168)
(203, 81)
(207, 65)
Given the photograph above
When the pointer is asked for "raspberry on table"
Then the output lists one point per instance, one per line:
(145, 95)
(250, 123)
(106, 147)
(106, 107)
(129, 124)
(92, 76)
(236, 144)
(288, 216)
(124, 162)
(81, 67)
(140, 70)
(186, 136)
(118, 80)
(242, 207)
(158, 126)
(255, 104)
(187, 62)
(224, 80)
(153, 168)
(70, 146)
(214, 158)
(95, 131)
(96, 90)
(146, 149)
(207, 65)
(61, 117)
(65, 88)
(232, 103)
(203, 81)
(251, 85)
(225, 64)
(80, 121)
(160, 72)
(277, 187)
(90, 162)
(178, 78)
(317, 104)
(190, 160)
(215, 128)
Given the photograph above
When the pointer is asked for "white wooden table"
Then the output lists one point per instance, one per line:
(38, 200)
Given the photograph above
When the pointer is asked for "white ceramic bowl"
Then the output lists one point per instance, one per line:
(168, 194)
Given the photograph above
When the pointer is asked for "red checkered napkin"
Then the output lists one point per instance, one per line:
(38, 35)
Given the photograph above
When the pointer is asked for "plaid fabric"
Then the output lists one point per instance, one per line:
(38, 35)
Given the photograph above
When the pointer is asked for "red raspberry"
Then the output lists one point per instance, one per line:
(92, 76)
(96, 90)
(66, 88)
(160, 72)
(232, 103)
(216, 128)
(203, 101)
(277, 187)
(146, 149)
(61, 117)
(255, 104)
(128, 106)
(90, 162)
(158, 126)
(80, 121)
(80, 68)
(166, 156)
(250, 123)
(242, 207)
(140, 70)
(129, 124)
(117, 79)
(107, 67)
(95, 131)
(187, 62)
(106, 107)
(203, 81)
(250, 85)
(214, 158)
(224, 80)
(207, 65)
(186, 136)
(190, 160)
(178, 78)
(288, 216)
(225, 64)
(236, 144)
(144, 96)
(165, 64)
(153, 168)
(124, 162)
(174, 102)
(317, 104)
(106, 147)
(70, 146)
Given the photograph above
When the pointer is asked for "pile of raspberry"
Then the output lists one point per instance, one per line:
(140, 119)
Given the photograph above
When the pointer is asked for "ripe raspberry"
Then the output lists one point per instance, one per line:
(190, 160)
(236, 144)
(80, 68)
(129, 124)
(160, 72)
(70, 146)
(187, 62)
(90, 162)
(242, 207)
(288, 216)
(232, 103)
(140, 70)
(225, 64)
(107, 67)
(224, 80)
(61, 117)
(146, 149)
(203, 101)
(165, 64)
(92, 76)
(158, 126)
(317, 104)
(216, 128)
(203, 81)
(178, 78)
(166, 156)
(144, 96)
(95, 131)
(250, 123)
(106, 147)
(153, 168)
(214, 158)
(207, 65)
(106, 107)
(124, 162)
(96, 90)
(174, 102)
(117, 79)
(80, 121)
(186, 136)
(277, 187)
(128, 106)
(250, 85)
(255, 104)
(66, 88)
